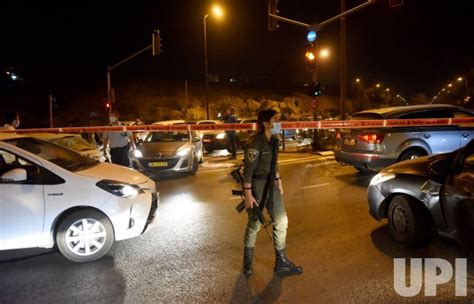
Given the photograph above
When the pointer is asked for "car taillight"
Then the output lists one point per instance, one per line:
(371, 138)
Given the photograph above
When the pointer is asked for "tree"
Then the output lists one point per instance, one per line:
(418, 99)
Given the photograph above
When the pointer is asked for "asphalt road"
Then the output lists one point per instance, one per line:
(195, 253)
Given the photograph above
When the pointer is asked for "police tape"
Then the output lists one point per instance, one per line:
(285, 125)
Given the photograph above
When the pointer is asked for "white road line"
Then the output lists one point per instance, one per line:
(283, 162)
(315, 186)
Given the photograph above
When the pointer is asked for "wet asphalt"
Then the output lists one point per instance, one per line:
(195, 253)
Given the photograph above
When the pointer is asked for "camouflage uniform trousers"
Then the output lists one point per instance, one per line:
(278, 216)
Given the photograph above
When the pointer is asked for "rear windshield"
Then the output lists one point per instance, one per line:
(367, 116)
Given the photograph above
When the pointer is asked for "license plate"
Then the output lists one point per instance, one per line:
(349, 141)
(206, 140)
(157, 164)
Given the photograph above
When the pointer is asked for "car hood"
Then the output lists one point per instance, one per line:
(420, 166)
(114, 172)
(166, 149)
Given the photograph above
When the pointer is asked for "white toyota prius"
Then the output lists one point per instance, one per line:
(52, 195)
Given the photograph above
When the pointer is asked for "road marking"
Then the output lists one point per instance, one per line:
(282, 163)
(315, 186)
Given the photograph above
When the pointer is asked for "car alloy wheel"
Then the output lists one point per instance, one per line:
(86, 237)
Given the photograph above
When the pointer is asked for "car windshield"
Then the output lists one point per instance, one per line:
(58, 155)
(75, 143)
(176, 136)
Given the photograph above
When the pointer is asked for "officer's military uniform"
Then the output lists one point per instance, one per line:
(257, 167)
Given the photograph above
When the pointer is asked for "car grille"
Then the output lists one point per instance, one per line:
(154, 207)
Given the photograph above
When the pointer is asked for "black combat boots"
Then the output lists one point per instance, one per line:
(284, 267)
(248, 257)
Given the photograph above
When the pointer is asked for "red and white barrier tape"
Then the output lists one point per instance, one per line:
(287, 125)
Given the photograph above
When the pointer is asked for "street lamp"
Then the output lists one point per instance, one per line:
(450, 85)
(465, 84)
(356, 81)
(377, 85)
(324, 53)
(387, 89)
(217, 12)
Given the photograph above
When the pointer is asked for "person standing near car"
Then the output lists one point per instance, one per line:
(12, 121)
(119, 142)
(231, 118)
(262, 180)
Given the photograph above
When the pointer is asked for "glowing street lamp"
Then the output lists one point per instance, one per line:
(378, 85)
(218, 13)
(324, 53)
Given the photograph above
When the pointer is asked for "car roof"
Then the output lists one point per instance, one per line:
(169, 122)
(10, 135)
(208, 121)
(52, 136)
(394, 112)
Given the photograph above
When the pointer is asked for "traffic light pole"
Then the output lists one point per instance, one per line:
(317, 27)
(110, 68)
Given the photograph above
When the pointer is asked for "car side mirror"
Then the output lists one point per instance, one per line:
(15, 175)
(196, 139)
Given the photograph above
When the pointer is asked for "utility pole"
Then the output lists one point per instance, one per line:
(343, 76)
(51, 99)
(186, 92)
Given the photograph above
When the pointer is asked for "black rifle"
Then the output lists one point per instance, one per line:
(237, 175)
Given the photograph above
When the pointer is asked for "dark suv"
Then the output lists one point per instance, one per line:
(374, 149)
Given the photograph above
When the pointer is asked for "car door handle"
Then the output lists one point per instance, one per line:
(465, 135)
(427, 135)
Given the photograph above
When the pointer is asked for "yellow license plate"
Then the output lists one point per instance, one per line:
(157, 164)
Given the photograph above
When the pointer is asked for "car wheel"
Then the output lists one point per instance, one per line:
(411, 154)
(409, 223)
(195, 165)
(85, 235)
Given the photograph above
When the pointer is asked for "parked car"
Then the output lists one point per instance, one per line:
(74, 142)
(214, 140)
(243, 136)
(428, 192)
(52, 195)
(374, 149)
(168, 152)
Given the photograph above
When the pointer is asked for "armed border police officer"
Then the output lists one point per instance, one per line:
(119, 142)
(259, 151)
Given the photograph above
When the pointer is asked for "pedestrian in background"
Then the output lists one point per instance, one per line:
(231, 118)
(119, 142)
(11, 120)
(262, 180)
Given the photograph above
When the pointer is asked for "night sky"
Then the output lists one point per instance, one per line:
(414, 48)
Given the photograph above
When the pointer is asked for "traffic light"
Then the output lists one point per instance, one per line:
(315, 89)
(310, 57)
(156, 43)
(272, 9)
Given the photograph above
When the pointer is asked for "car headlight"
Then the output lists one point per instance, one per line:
(381, 177)
(220, 136)
(137, 153)
(118, 188)
(183, 152)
